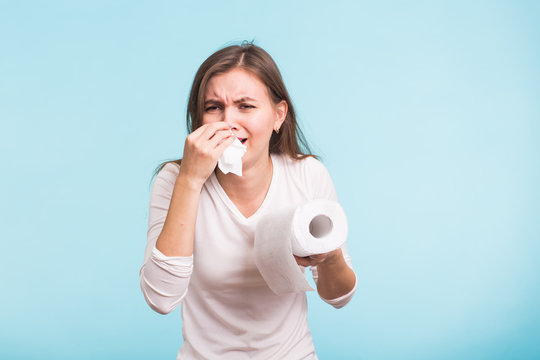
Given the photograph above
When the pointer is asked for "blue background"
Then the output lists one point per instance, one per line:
(425, 113)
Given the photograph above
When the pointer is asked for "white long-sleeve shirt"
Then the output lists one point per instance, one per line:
(228, 311)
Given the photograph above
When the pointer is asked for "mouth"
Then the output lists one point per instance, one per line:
(242, 140)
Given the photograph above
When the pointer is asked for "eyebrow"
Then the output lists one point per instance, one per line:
(243, 99)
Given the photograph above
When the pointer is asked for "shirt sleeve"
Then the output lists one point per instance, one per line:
(163, 279)
(321, 181)
(323, 188)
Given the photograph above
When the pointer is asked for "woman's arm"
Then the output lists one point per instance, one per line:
(332, 272)
(168, 263)
(202, 150)
(176, 238)
(335, 278)
(164, 279)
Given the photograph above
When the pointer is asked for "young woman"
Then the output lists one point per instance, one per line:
(202, 221)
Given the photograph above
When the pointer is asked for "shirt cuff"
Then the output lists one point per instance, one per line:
(181, 266)
(344, 299)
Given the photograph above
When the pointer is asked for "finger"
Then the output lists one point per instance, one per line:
(219, 136)
(302, 261)
(218, 139)
(203, 129)
(197, 132)
(220, 148)
(210, 129)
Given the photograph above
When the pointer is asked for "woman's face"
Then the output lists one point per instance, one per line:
(241, 99)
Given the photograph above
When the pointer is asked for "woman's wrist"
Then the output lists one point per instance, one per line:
(334, 258)
(188, 182)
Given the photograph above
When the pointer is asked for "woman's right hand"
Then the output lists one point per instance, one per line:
(202, 150)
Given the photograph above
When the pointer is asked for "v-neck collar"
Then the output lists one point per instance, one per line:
(229, 203)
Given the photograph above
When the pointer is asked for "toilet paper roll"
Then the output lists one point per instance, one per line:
(315, 227)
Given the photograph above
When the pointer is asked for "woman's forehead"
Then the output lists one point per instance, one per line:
(235, 85)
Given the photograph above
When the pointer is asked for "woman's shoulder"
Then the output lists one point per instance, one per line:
(308, 165)
(168, 172)
(310, 176)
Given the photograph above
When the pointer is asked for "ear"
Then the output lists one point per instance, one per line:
(281, 113)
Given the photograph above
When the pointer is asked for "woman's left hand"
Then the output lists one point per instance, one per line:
(318, 259)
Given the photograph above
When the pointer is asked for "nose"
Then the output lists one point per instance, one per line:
(228, 117)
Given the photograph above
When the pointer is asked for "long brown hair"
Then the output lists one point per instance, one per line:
(257, 61)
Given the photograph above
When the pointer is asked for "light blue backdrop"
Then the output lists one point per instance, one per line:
(425, 113)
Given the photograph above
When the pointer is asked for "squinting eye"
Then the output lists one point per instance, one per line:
(211, 108)
(246, 106)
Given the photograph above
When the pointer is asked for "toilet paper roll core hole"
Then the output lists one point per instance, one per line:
(320, 226)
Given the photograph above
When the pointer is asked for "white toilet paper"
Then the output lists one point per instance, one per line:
(231, 159)
(315, 227)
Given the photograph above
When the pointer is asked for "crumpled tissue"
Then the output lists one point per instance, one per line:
(231, 159)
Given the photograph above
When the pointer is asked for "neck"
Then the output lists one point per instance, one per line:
(254, 181)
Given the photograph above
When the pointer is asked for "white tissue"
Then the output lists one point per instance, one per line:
(315, 227)
(231, 159)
